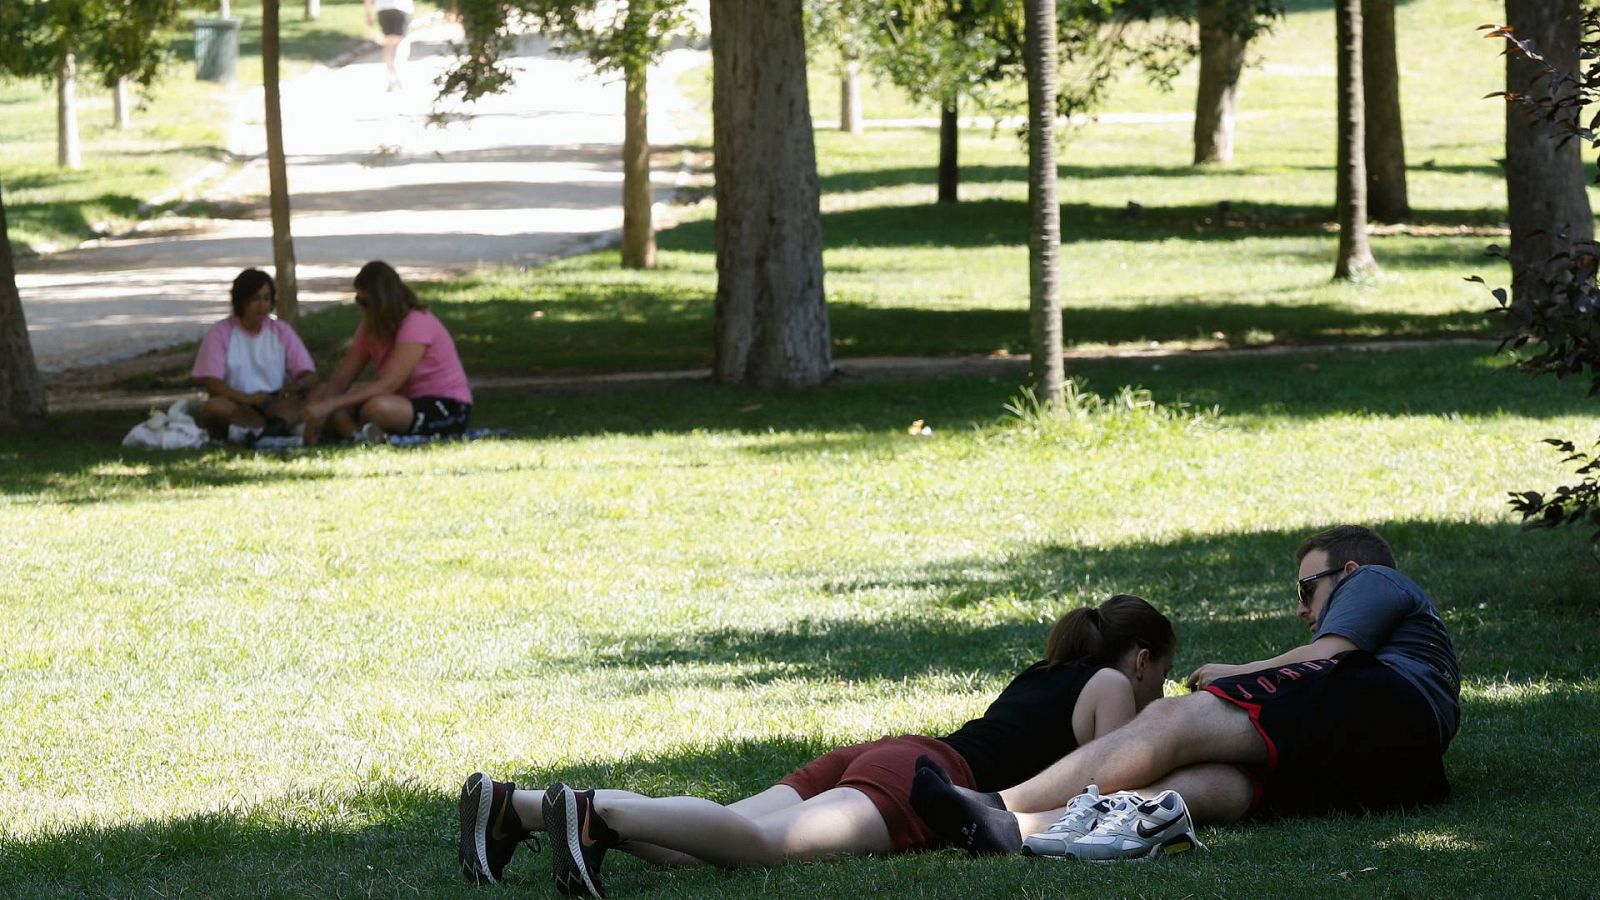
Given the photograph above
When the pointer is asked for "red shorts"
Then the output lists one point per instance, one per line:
(882, 769)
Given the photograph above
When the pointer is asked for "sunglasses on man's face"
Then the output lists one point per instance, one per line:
(1308, 583)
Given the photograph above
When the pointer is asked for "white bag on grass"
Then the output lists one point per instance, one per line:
(174, 429)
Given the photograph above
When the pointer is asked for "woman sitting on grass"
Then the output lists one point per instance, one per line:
(254, 368)
(1100, 667)
(420, 386)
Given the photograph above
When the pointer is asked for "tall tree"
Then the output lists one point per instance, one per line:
(771, 319)
(22, 399)
(1387, 200)
(952, 53)
(1044, 213)
(1355, 252)
(69, 148)
(1226, 28)
(1549, 208)
(625, 37)
(283, 262)
(60, 40)
(1222, 50)
(846, 26)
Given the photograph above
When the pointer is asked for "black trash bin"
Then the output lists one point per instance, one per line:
(216, 49)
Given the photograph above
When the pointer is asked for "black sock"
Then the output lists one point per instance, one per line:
(927, 762)
(974, 821)
(595, 827)
(510, 824)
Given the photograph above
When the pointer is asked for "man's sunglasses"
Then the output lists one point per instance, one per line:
(1305, 584)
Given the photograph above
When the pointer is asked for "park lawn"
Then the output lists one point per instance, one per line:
(255, 675)
(1154, 251)
(176, 131)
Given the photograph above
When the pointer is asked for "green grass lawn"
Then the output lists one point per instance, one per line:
(178, 129)
(905, 275)
(225, 674)
(238, 675)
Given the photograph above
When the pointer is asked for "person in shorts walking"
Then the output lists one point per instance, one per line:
(1358, 718)
(394, 20)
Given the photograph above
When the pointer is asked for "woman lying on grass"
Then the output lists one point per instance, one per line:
(1100, 667)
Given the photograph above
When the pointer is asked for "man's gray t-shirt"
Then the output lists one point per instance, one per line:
(1386, 614)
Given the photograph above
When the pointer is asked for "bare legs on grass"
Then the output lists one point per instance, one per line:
(766, 829)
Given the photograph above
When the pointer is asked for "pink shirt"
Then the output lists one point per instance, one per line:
(438, 373)
(212, 360)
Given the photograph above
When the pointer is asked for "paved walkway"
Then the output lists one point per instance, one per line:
(517, 178)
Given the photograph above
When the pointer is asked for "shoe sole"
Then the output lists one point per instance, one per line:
(1179, 843)
(475, 804)
(566, 858)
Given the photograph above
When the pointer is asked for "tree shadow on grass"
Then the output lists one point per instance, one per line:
(77, 218)
(855, 181)
(1000, 223)
(78, 458)
(1230, 597)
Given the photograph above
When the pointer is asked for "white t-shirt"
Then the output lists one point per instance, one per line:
(406, 6)
(255, 361)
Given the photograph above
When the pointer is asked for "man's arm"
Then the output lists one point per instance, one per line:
(1325, 647)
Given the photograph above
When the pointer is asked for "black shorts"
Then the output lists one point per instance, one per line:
(1345, 734)
(438, 415)
(393, 21)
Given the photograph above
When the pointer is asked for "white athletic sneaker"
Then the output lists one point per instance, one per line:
(1083, 813)
(1139, 829)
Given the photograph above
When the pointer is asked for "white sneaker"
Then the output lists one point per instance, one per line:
(1139, 829)
(238, 434)
(370, 433)
(1083, 813)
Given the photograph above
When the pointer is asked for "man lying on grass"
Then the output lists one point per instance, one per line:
(1100, 667)
(1357, 719)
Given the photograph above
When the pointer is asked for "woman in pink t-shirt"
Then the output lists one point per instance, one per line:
(255, 369)
(420, 386)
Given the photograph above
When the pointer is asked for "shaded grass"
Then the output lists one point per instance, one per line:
(275, 673)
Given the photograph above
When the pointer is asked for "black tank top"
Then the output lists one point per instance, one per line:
(1028, 727)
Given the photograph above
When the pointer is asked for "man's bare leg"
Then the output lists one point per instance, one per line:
(1169, 735)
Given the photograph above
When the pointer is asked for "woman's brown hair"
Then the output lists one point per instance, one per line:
(388, 299)
(1102, 635)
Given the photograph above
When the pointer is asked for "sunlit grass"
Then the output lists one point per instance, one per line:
(233, 674)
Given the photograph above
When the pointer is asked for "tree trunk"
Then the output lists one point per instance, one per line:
(1355, 254)
(1221, 62)
(69, 151)
(638, 233)
(1044, 232)
(771, 316)
(119, 104)
(313, 9)
(224, 10)
(22, 400)
(850, 98)
(1385, 147)
(949, 147)
(288, 308)
(1549, 208)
